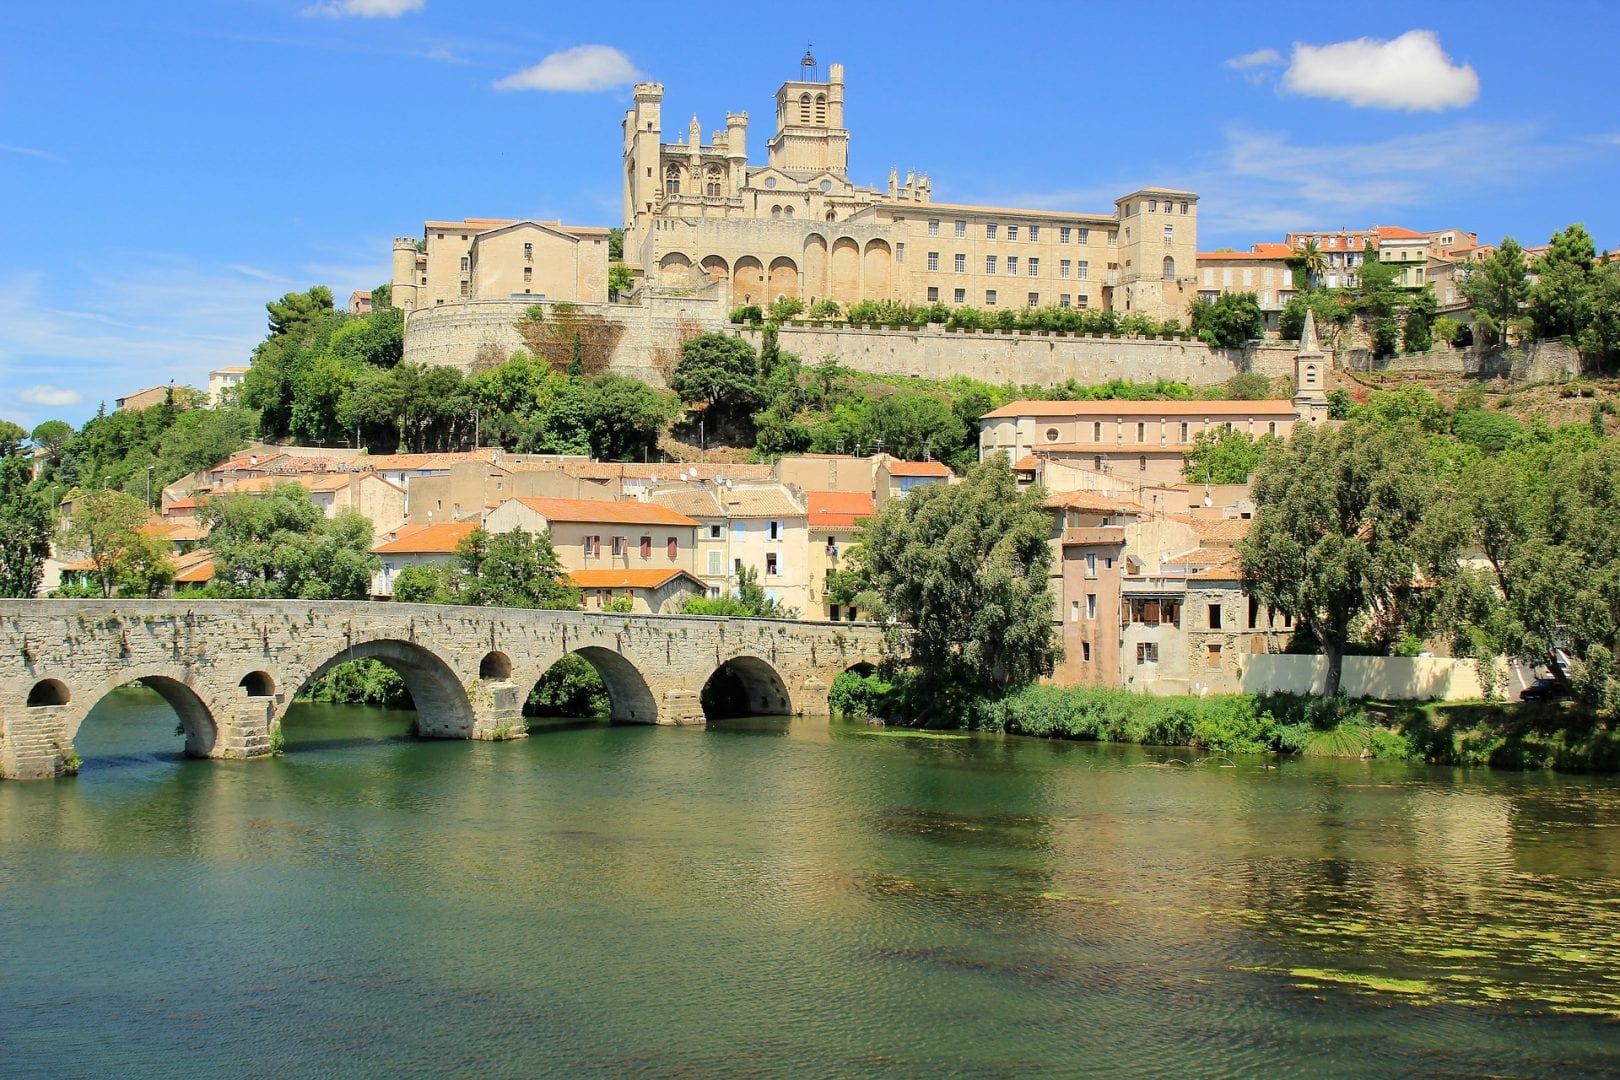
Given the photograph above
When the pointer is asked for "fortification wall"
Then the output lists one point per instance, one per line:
(649, 336)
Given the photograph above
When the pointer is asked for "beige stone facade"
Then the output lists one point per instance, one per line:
(697, 213)
(500, 259)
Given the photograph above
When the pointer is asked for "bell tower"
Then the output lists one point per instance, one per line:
(810, 134)
(1310, 375)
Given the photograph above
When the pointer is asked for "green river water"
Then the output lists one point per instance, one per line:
(766, 898)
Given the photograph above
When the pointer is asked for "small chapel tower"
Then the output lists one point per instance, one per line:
(1310, 375)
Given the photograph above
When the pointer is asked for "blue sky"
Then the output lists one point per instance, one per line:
(168, 168)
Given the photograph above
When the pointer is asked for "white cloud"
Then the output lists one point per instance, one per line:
(1258, 58)
(29, 151)
(583, 69)
(50, 395)
(365, 9)
(1411, 73)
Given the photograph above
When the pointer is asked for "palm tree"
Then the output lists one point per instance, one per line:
(1315, 262)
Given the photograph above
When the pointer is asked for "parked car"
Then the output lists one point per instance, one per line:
(1544, 690)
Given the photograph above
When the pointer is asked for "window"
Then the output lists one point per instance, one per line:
(989, 264)
(899, 251)
(1214, 616)
(1012, 232)
(1096, 431)
(1085, 651)
(528, 274)
(1034, 299)
(1113, 239)
(1141, 431)
(711, 182)
(672, 180)
(772, 569)
(714, 564)
(618, 545)
(1184, 431)
(961, 263)
(1226, 276)
(1169, 234)
(714, 532)
(1063, 234)
(1153, 206)
(1183, 206)
(1147, 652)
(1141, 463)
(773, 530)
(466, 263)
(1085, 236)
(593, 546)
(1034, 266)
(1214, 654)
(1034, 233)
(1074, 611)
(1082, 270)
(1248, 277)
(1091, 564)
(1169, 268)
(961, 228)
(1091, 605)
(933, 226)
(1063, 300)
(1082, 300)
(1052, 434)
(933, 260)
(1209, 275)
(989, 298)
(989, 230)
(1012, 265)
(1064, 265)
(959, 296)
(466, 287)
(933, 294)
(646, 547)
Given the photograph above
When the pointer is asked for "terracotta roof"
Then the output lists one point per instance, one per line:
(696, 502)
(1221, 564)
(1395, 232)
(1092, 501)
(1095, 534)
(1284, 252)
(175, 531)
(627, 578)
(418, 462)
(615, 511)
(1116, 448)
(438, 538)
(1027, 463)
(1229, 530)
(187, 503)
(838, 508)
(917, 468)
(194, 567)
(761, 502)
(1039, 410)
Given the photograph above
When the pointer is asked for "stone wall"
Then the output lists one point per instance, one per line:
(459, 335)
(231, 669)
(1540, 361)
(1387, 678)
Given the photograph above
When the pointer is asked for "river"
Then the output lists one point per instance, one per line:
(774, 898)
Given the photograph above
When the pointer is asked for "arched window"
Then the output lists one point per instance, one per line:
(672, 180)
(1169, 268)
(711, 182)
(832, 216)
(776, 211)
(787, 211)
(804, 108)
(821, 108)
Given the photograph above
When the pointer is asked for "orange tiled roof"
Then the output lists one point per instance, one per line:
(1227, 529)
(613, 511)
(626, 578)
(917, 468)
(838, 508)
(194, 567)
(1395, 232)
(1091, 501)
(1121, 407)
(438, 538)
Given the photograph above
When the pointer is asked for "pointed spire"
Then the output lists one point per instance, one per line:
(1307, 337)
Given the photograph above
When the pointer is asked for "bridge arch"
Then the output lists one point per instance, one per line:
(496, 666)
(443, 710)
(745, 685)
(196, 714)
(627, 688)
(258, 684)
(49, 692)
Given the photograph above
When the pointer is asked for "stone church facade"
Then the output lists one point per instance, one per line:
(697, 213)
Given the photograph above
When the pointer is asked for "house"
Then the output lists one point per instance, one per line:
(762, 526)
(651, 591)
(416, 545)
(594, 534)
(835, 522)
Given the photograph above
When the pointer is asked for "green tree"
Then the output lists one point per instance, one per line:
(718, 369)
(749, 600)
(280, 545)
(426, 583)
(576, 359)
(1248, 386)
(1314, 261)
(1229, 321)
(1339, 533)
(512, 569)
(1498, 288)
(1560, 301)
(1601, 337)
(1223, 457)
(616, 244)
(26, 525)
(621, 279)
(966, 567)
(1417, 331)
(105, 528)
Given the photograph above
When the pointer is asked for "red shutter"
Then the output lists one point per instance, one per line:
(673, 547)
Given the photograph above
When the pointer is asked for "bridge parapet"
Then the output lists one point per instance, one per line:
(230, 669)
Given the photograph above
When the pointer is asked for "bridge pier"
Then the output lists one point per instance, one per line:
(498, 711)
(247, 732)
(678, 706)
(33, 743)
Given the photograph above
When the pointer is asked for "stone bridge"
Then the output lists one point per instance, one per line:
(230, 669)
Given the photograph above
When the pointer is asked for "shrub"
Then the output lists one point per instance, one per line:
(861, 695)
(750, 314)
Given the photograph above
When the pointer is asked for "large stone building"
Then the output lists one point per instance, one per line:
(500, 259)
(697, 212)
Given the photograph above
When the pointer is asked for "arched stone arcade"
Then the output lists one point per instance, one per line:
(745, 685)
(443, 709)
